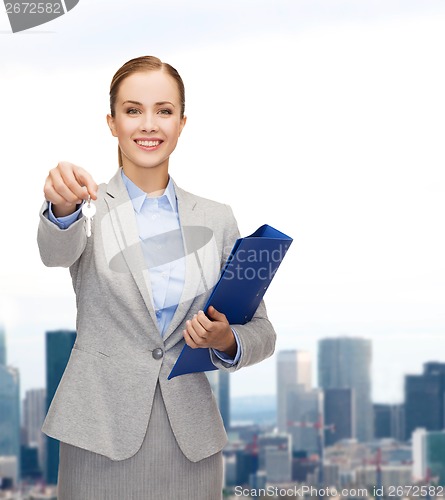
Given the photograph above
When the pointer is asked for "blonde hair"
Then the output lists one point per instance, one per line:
(137, 65)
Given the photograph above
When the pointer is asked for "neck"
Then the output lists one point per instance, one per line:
(152, 181)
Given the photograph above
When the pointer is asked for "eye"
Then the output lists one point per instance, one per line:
(165, 111)
(132, 111)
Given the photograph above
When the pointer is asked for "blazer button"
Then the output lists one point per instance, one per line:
(157, 353)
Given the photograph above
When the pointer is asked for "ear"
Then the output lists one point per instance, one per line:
(182, 124)
(112, 125)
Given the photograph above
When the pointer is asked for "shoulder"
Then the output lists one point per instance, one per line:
(202, 203)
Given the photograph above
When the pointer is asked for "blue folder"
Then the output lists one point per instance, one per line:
(249, 269)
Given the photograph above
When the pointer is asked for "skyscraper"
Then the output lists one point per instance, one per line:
(419, 455)
(339, 413)
(424, 399)
(275, 457)
(389, 421)
(224, 397)
(9, 407)
(345, 363)
(220, 383)
(2, 346)
(293, 371)
(382, 421)
(58, 349)
(429, 455)
(34, 409)
(304, 413)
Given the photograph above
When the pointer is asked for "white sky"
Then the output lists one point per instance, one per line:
(323, 118)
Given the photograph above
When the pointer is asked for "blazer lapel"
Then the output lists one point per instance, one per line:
(201, 256)
(123, 222)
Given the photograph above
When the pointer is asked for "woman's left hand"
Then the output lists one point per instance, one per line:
(214, 333)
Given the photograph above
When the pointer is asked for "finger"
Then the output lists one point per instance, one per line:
(67, 173)
(198, 328)
(78, 180)
(60, 186)
(51, 195)
(204, 320)
(189, 340)
(191, 331)
(195, 332)
(216, 315)
(87, 180)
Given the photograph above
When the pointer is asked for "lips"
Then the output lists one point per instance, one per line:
(148, 144)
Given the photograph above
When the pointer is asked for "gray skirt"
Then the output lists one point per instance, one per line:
(159, 470)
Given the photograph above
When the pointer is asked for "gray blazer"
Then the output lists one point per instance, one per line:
(104, 399)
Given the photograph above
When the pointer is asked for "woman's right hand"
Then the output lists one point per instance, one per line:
(66, 186)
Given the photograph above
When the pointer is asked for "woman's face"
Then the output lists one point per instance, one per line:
(147, 120)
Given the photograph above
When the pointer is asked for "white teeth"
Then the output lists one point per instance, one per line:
(150, 144)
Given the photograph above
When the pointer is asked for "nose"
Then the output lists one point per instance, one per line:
(149, 123)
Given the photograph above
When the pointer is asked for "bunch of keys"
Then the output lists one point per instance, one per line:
(89, 210)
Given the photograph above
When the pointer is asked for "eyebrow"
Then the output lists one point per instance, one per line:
(137, 103)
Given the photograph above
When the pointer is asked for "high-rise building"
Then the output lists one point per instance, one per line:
(398, 421)
(9, 409)
(345, 363)
(29, 463)
(281, 441)
(2, 346)
(429, 456)
(389, 421)
(220, 384)
(278, 465)
(293, 371)
(305, 413)
(275, 457)
(9, 468)
(34, 410)
(424, 399)
(246, 465)
(382, 420)
(419, 455)
(224, 397)
(58, 349)
(339, 414)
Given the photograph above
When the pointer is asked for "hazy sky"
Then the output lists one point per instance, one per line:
(323, 118)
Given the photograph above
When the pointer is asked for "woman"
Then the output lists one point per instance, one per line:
(141, 280)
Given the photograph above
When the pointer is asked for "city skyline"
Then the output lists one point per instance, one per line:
(29, 376)
(387, 374)
(283, 455)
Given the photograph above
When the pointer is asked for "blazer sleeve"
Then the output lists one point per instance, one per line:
(60, 247)
(257, 337)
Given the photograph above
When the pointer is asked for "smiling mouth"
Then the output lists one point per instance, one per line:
(148, 145)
